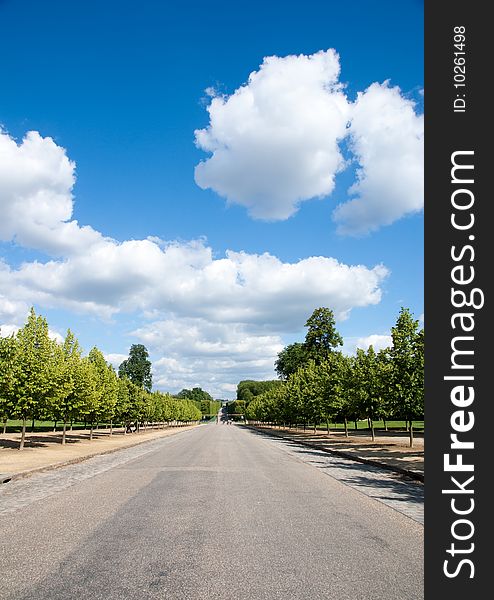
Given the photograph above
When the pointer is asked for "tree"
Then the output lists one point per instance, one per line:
(290, 359)
(9, 367)
(368, 385)
(107, 385)
(332, 374)
(197, 394)
(137, 367)
(34, 383)
(407, 377)
(321, 338)
(66, 403)
(86, 388)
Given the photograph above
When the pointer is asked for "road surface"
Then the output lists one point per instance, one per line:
(216, 512)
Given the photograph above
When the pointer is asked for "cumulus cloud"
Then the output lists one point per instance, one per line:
(36, 181)
(197, 352)
(274, 141)
(387, 138)
(187, 280)
(377, 341)
(213, 319)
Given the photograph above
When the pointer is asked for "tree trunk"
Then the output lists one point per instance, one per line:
(373, 434)
(356, 425)
(315, 427)
(346, 427)
(4, 425)
(23, 433)
(54, 426)
(327, 426)
(71, 423)
(411, 435)
(91, 432)
(111, 427)
(32, 425)
(64, 430)
(385, 425)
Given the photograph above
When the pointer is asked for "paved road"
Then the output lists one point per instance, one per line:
(216, 512)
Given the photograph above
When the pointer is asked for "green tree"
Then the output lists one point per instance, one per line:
(407, 377)
(322, 337)
(368, 385)
(34, 383)
(123, 403)
(290, 359)
(332, 372)
(87, 391)
(106, 385)
(197, 394)
(9, 366)
(66, 403)
(137, 367)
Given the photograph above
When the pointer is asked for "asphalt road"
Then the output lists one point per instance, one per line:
(216, 512)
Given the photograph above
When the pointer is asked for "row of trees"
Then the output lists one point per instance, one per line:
(43, 379)
(318, 383)
(202, 399)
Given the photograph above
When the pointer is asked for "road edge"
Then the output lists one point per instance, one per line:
(5, 478)
(402, 471)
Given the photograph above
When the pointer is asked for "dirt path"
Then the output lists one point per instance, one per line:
(390, 449)
(44, 450)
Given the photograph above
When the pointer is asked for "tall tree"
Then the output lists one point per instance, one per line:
(106, 384)
(290, 359)
(67, 403)
(407, 355)
(137, 367)
(321, 338)
(9, 366)
(35, 375)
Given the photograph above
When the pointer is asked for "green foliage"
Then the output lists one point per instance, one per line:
(291, 358)
(9, 366)
(407, 358)
(137, 367)
(330, 386)
(248, 389)
(321, 338)
(197, 394)
(35, 369)
(41, 379)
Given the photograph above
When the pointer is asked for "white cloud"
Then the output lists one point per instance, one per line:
(387, 138)
(377, 341)
(214, 356)
(36, 181)
(115, 359)
(213, 319)
(274, 141)
(186, 280)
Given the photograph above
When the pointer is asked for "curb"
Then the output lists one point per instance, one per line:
(5, 478)
(368, 461)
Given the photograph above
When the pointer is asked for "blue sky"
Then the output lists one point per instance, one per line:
(123, 90)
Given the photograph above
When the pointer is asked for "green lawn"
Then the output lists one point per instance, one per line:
(15, 426)
(378, 425)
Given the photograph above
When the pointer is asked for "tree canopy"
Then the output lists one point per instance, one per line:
(137, 367)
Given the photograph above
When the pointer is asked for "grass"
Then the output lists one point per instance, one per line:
(15, 426)
(378, 425)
